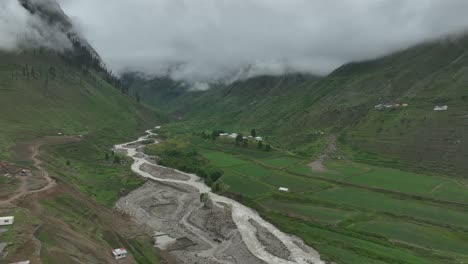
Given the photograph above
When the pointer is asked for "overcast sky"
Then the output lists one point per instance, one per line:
(215, 39)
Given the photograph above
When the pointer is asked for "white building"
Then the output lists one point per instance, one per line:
(282, 189)
(223, 134)
(440, 108)
(7, 220)
(233, 135)
(259, 138)
(119, 253)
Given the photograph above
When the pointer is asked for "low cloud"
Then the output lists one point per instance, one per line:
(212, 40)
(21, 29)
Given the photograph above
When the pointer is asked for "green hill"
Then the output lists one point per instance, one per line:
(41, 94)
(291, 109)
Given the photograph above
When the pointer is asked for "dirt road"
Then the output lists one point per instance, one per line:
(240, 215)
(33, 150)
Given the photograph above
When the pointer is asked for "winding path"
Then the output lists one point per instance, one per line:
(240, 213)
(23, 190)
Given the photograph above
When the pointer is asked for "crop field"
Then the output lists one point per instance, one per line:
(353, 212)
(320, 213)
(429, 237)
(282, 162)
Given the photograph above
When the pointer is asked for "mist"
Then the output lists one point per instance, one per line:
(213, 40)
(19, 29)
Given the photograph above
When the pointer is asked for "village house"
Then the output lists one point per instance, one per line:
(283, 189)
(119, 253)
(7, 220)
(233, 135)
(259, 138)
(440, 108)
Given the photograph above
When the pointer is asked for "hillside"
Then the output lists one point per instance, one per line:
(290, 110)
(393, 191)
(43, 95)
(61, 112)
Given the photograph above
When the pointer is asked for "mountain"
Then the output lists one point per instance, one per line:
(64, 108)
(44, 91)
(291, 109)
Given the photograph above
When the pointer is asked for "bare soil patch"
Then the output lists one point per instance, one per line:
(317, 165)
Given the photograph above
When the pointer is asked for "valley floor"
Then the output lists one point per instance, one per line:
(55, 222)
(218, 230)
(349, 212)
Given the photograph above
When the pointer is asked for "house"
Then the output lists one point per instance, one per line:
(119, 253)
(233, 135)
(282, 189)
(259, 138)
(404, 105)
(223, 134)
(7, 220)
(379, 106)
(440, 108)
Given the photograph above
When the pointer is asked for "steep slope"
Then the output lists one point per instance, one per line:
(41, 94)
(60, 113)
(291, 110)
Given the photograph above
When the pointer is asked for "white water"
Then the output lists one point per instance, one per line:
(240, 213)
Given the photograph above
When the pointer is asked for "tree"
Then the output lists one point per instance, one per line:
(137, 96)
(216, 188)
(260, 144)
(246, 143)
(215, 175)
(116, 159)
(106, 156)
(214, 134)
(268, 148)
(253, 133)
(205, 199)
(239, 139)
(68, 162)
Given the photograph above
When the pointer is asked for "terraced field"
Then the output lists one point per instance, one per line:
(353, 212)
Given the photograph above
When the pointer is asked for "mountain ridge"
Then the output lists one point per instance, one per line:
(343, 103)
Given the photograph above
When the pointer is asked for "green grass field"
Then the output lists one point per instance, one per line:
(41, 94)
(349, 224)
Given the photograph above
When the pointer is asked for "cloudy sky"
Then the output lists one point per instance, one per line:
(199, 40)
(19, 28)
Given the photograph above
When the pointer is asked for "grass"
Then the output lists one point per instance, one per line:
(282, 162)
(307, 210)
(397, 180)
(379, 202)
(221, 159)
(89, 171)
(426, 236)
(90, 223)
(75, 102)
(333, 217)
